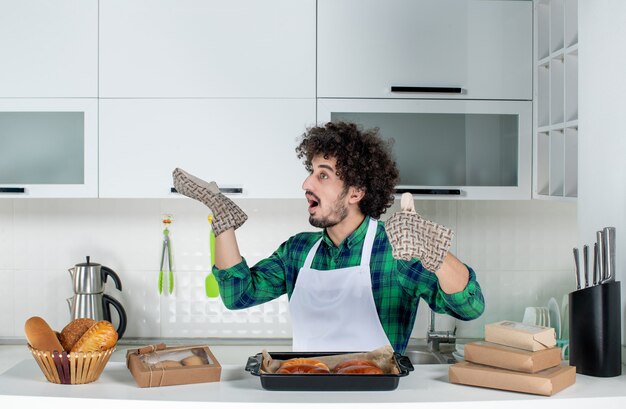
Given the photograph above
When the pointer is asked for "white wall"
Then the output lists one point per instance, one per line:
(602, 143)
(521, 251)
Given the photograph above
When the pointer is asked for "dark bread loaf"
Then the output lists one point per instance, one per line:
(73, 331)
(40, 336)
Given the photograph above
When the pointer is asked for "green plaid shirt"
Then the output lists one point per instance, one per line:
(397, 285)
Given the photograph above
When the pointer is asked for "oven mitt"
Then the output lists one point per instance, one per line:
(226, 214)
(412, 236)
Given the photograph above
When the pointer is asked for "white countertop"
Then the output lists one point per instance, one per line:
(22, 383)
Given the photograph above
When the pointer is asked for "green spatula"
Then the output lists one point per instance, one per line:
(210, 284)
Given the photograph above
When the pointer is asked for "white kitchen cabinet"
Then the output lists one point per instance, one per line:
(556, 100)
(481, 48)
(239, 143)
(207, 48)
(49, 147)
(48, 48)
(449, 149)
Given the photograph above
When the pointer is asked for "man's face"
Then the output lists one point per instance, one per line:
(325, 193)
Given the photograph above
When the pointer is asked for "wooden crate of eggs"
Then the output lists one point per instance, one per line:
(77, 354)
(159, 365)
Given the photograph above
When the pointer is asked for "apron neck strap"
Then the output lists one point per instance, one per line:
(309, 257)
(368, 243)
(366, 254)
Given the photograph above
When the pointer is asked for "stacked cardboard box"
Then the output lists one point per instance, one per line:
(514, 357)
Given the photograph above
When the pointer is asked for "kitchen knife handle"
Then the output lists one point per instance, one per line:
(429, 90)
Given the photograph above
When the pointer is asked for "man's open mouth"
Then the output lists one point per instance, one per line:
(313, 201)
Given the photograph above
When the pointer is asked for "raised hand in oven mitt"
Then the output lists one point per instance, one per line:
(412, 236)
(226, 214)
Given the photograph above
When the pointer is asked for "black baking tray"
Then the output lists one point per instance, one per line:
(326, 382)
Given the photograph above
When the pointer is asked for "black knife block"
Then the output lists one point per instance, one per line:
(595, 330)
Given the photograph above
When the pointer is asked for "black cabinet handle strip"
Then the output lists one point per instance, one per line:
(222, 189)
(431, 90)
(231, 190)
(12, 190)
(450, 192)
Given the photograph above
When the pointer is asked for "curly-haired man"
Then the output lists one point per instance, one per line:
(349, 289)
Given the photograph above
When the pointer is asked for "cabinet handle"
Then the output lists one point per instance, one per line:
(431, 90)
(222, 189)
(12, 190)
(450, 192)
(231, 190)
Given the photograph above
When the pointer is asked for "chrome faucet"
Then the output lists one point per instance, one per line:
(434, 338)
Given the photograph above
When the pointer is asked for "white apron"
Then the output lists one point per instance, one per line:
(334, 310)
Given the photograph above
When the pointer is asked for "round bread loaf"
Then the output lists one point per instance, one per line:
(304, 361)
(73, 331)
(192, 360)
(100, 337)
(167, 364)
(40, 336)
(354, 362)
(360, 369)
(302, 369)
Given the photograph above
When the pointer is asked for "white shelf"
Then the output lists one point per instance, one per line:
(572, 49)
(556, 100)
(551, 198)
(557, 126)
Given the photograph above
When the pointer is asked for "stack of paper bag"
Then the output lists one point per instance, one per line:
(514, 357)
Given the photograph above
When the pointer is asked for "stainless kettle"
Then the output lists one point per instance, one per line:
(89, 300)
(90, 278)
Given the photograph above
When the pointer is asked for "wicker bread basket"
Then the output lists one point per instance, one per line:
(71, 368)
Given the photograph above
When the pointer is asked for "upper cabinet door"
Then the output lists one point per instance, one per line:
(449, 149)
(48, 147)
(245, 145)
(481, 48)
(48, 48)
(207, 48)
